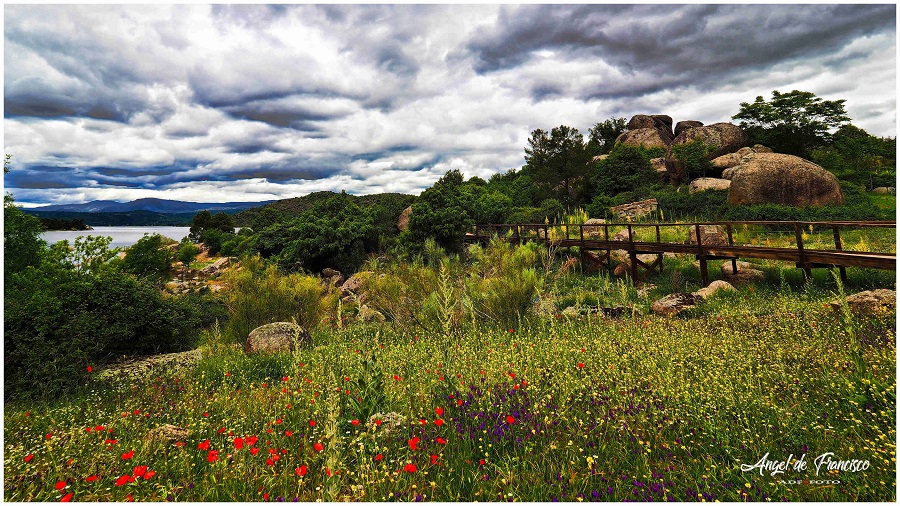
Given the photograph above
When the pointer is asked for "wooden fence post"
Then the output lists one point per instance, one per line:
(839, 246)
(731, 243)
(798, 232)
(704, 273)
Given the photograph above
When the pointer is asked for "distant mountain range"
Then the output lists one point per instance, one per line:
(153, 205)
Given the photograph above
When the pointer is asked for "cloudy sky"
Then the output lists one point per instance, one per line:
(254, 102)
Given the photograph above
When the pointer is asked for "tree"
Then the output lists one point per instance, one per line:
(602, 136)
(22, 243)
(794, 123)
(211, 229)
(187, 252)
(440, 213)
(626, 169)
(855, 155)
(149, 258)
(558, 162)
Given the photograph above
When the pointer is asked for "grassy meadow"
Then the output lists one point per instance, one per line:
(463, 396)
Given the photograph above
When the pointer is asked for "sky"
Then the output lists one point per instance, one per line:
(248, 103)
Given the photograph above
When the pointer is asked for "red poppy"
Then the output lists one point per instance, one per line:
(328, 472)
(180, 444)
(510, 419)
(288, 433)
(410, 468)
(459, 402)
(270, 462)
(318, 447)
(581, 365)
(28, 458)
(238, 443)
(99, 428)
(312, 423)
(285, 378)
(378, 421)
(149, 474)
(423, 422)
(221, 430)
(512, 375)
(434, 459)
(266, 496)
(212, 456)
(205, 414)
(254, 451)
(125, 478)
(354, 422)
(204, 445)
(127, 456)
(60, 485)
(413, 442)
(278, 421)
(397, 377)
(48, 436)
(92, 478)
(111, 441)
(441, 441)
(481, 461)
(379, 457)
(66, 498)
(439, 422)
(139, 471)
(252, 440)
(90, 369)
(439, 411)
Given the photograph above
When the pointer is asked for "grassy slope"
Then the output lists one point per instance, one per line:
(297, 205)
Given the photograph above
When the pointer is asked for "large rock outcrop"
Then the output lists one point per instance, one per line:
(869, 302)
(774, 178)
(681, 126)
(723, 137)
(647, 137)
(635, 210)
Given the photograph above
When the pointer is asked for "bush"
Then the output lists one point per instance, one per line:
(626, 169)
(259, 294)
(149, 259)
(693, 156)
(58, 324)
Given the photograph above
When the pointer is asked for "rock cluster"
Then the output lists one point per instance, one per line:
(403, 220)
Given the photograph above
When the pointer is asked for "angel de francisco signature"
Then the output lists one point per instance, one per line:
(824, 462)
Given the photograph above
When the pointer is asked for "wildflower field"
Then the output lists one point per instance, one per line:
(552, 409)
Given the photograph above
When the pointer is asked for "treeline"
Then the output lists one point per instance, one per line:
(118, 219)
(62, 224)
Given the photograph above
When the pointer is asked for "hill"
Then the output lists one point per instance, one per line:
(149, 204)
(130, 218)
(389, 204)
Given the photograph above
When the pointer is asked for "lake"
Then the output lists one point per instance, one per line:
(121, 236)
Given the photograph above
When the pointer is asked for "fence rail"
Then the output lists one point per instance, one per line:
(589, 237)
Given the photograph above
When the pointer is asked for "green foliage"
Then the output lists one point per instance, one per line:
(212, 230)
(22, 243)
(63, 224)
(627, 168)
(187, 251)
(441, 213)
(56, 325)
(368, 391)
(602, 136)
(794, 123)
(90, 254)
(558, 163)
(258, 294)
(694, 157)
(854, 155)
(333, 233)
(149, 258)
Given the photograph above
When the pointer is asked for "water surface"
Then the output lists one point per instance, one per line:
(121, 236)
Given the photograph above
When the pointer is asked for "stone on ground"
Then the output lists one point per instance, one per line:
(278, 337)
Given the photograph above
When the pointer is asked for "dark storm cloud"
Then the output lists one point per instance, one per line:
(697, 45)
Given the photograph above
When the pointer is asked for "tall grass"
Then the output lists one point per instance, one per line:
(258, 294)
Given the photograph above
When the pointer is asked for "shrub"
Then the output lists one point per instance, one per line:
(626, 169)
(58, 321)
(259, 294)
(693, 156)
(149, 259)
